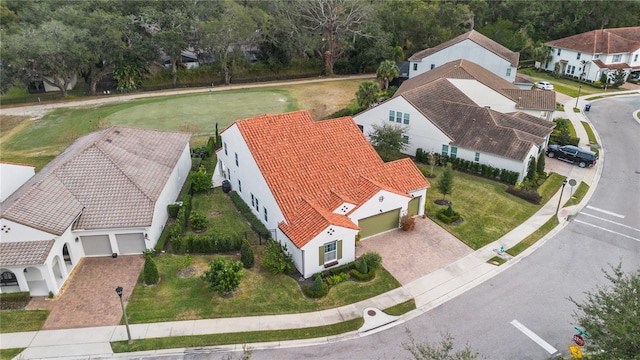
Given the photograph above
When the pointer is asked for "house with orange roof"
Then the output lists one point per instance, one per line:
(464, 111)
(106, 194)
(472, 46)
(317, 184)
(592, 54)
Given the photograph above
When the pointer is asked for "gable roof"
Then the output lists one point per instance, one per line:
(109, 178)
(465, 69)
(603, 41)
(512, 57)
(25, 252)
(313, 167)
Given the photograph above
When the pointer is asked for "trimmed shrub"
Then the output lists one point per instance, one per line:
(173, 210)
(317, 283)
(448, 219)
(200, 180)
(276, 259)
(246, 255)
(186, 261)
(150, 270)
(255, 223)
(197, 220)
(373, 259)
(363, 277)
(224, 275)
(362, 267)
(207, 243)
(531, 196)
(316, 294)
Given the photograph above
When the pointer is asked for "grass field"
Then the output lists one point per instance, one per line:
(37, 141)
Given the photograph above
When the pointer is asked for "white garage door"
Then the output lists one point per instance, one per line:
(130, 243)
(96, 245)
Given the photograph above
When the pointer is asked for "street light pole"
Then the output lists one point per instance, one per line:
(579, 88)
(124, 312)
(564, 182)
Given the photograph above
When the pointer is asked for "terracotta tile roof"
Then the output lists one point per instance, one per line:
(604, 41)
(312, 167)
(110, 178)
(24, 252)
(512, 57)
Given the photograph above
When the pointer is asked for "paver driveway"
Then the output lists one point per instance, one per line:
(409, 255)
(89, 297)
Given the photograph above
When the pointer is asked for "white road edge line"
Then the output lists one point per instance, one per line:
(533, 336)
(609, 221)
(605, 229)
(605, 211)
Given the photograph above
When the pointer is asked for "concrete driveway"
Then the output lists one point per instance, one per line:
(409, 255)
(88, 297)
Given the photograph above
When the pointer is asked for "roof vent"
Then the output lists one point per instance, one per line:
(487, 107)
(108, 140)
(117, 131)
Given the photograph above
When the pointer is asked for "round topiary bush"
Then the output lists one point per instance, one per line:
(448, 216)
(317, 289)
(362, 267)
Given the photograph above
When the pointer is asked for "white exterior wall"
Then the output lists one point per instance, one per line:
(485, 96)
(310, 250)
(12, 176)
(249, 174)
(21, 232)
(591, 71)
(168, 195)
(374, 206)
(422, 133)
(467, 50)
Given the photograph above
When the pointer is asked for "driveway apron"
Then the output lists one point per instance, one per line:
(88, 297)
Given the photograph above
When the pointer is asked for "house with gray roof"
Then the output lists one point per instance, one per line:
(105, 194)
(472, 46)
(462, 110)
(591, 54)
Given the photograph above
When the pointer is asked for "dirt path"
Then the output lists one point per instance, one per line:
(39, 110)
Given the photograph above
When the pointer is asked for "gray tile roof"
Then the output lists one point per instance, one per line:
(110, 178)
(512, 57)
(603, 41)
(24, 252)
(472, 126)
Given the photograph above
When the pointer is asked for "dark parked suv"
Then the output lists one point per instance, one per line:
(572, 154)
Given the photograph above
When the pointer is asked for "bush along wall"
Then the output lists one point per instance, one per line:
(256, 224)
(472, 167)
(207, 243)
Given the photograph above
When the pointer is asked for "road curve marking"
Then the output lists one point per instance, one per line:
(533, 336)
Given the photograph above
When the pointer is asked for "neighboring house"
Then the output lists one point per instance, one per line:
(589, 55)
(472, 46)
(20, 173)
(317, 184)
(105, 194)
(462, 110)
(41, 86)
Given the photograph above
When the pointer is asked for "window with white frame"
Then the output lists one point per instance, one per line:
(398, 117)
(617, 58)
(445, 150)
(331, 251)
(406, 118)
(392, 115)
(508, 71)
(454, 152)
(433, 66)
(477, 157)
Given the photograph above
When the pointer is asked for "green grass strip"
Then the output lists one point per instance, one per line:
(497, 260)
(531, 239)
(578, 195)
(237, 338)
(550, 187)
(401, 308)
(8, 354)
(590, 134)
(22, 320)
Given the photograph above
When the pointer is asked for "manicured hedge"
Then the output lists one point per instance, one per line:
(363, 277)
(256, 224)
(472, 167)
(207, 243)
(531, 196)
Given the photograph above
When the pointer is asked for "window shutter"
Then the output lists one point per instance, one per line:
(321, 255)
(339, 249)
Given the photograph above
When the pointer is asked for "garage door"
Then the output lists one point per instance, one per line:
(130, 243)
(414, 206)
(96, 245)
(379, 223)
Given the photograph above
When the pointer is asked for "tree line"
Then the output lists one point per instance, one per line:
(54, 41)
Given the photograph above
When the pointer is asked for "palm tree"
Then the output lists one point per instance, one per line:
(367, 93)
(387, 71)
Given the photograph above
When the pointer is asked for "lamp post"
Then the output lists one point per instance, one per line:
(564, 182)
(124, 312)
(579, 88)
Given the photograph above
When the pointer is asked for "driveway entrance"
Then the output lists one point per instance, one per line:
(409, 255)
(89, 295)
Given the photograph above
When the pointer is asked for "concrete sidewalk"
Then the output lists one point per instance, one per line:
(429, 292)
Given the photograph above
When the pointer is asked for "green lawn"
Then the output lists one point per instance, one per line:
(488, 211)
(535, 236)
(8, 354)
(22, 320)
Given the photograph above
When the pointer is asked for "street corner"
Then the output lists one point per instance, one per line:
(376, 320)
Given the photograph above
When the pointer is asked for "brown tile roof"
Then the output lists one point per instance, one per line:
(604, 41)
(512, 57)
(110, 178)
(311, 167)
(532, 98)
(616, 66)
(25, 252)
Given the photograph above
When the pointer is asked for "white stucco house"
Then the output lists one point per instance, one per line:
(462, 110)
(589, 55)
(317, 184)
(472, 46)
(105, 194)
